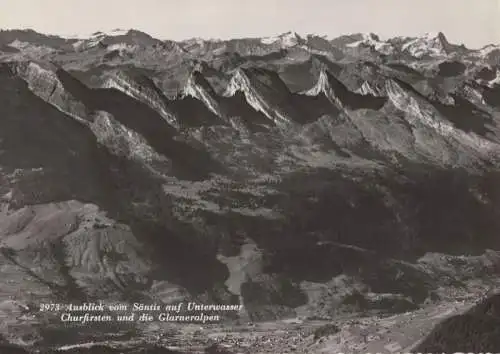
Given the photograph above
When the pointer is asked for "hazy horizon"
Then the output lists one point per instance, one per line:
(474, 24)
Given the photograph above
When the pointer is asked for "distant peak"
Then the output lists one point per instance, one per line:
(371, 36)
(436, 35)
(290, 34)
(287, 39)
(116, 32)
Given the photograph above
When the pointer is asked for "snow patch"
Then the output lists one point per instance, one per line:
(374, 41)
(99, 35)
(86, 44)
(117, 32)
(34, 48)
(122, 47)
(19, 45)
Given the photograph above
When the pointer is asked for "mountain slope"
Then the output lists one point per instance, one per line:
(296, 176)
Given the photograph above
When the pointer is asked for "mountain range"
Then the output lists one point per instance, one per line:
(302, 177)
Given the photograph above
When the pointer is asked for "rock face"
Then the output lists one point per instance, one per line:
(290, 175)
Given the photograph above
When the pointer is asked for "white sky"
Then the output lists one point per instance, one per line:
(472, 22)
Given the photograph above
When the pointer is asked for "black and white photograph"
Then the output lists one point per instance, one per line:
(249, 177)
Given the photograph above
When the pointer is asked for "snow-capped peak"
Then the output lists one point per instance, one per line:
(288, 39)
(101, 34)
(373, 40)
(112, 33)
(432, 43)
(88, 41)
(117, 39)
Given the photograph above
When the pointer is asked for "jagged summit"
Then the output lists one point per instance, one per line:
(198, 87)
(321, 85)
(241, 107)
(340, 96)
(436, 36)
(243, 81)
(267, 93)
(110, 33)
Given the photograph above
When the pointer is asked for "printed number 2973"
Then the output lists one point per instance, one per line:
(50, 307)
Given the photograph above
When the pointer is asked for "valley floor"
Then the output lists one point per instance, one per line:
(372, 334)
